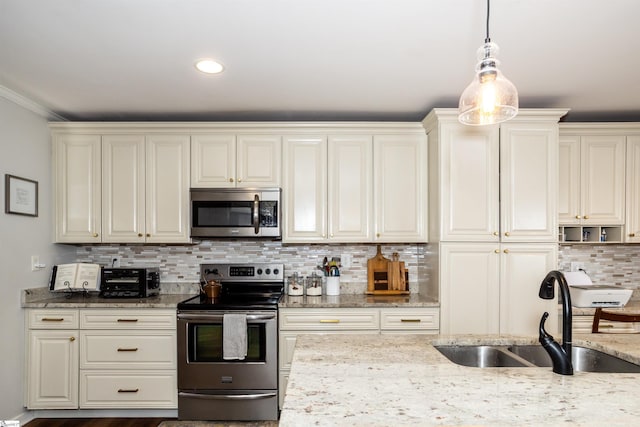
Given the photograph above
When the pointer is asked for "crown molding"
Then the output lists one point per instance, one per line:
(30, 105)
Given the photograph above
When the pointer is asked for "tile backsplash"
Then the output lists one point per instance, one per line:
(180, 264)
(608, 264)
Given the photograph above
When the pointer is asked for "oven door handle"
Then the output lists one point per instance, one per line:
(219, 317)
(227, 396)
(256, 214)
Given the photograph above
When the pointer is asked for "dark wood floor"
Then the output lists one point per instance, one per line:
(95, 422)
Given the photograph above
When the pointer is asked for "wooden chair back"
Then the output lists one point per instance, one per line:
(600, 314)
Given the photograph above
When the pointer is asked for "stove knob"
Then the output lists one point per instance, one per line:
(268, 271)
(276, 271)
(259, 271)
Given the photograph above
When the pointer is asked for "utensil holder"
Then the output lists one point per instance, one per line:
(333, 285)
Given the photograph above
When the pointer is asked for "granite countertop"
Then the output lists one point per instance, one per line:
(358, 301)
(43, 298)
(402, 380)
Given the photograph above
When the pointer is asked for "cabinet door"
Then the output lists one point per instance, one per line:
(633, 190)
(529, 182)
(52, 369)
(77, 188)
(259, 161)
(305, 188)
(400, 188)
(602, 172)
(523, 267)
(469, 183)
(213, 160)
(469, 288)
(569, 211)
(123, 188)
(350, 181)
(167, 189)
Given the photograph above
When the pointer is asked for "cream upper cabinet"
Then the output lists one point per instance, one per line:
(633, 190)
(120, 187)
(77, 188)
(350, 187)
(230, 160)
(400, 167)
(592, 177)
(305, 188)
(355, 187)
(569, 180)
(492, 288)
(468, 183)
(167, 189)
(123, 188)
(528, 181)
(145, 182)
(493, 183)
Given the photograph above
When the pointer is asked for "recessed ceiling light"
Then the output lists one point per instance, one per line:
(209, 66)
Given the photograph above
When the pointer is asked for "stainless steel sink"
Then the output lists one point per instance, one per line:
(496, 356)
(583, 359)
(481, 356)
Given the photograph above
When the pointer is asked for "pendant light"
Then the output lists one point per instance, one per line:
(491, 97)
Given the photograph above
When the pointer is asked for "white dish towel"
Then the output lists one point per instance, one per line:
(234, 336)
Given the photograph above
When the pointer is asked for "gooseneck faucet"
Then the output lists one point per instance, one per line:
(560, 355)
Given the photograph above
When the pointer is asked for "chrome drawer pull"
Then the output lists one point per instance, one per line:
(128, 320)
(411, 320)
(128, 349)
(130, 390)
(53, 319)
(329, 320)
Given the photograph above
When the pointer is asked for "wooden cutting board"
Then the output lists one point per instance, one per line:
(385, 276)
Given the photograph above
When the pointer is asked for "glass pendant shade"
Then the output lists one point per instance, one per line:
(491, 97)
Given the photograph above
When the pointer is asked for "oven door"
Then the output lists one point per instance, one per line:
(200, 362)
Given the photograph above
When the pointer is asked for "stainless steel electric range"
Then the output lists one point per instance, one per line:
(211, 387)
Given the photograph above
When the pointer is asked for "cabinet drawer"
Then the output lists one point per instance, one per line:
(127, 350)
(128, 319)
(52, 319)
(409, 319)
(311, 319)
(122, 389)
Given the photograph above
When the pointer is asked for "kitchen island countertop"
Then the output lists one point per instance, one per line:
(402, 380)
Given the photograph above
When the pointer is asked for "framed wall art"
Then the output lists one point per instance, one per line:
(21, 196)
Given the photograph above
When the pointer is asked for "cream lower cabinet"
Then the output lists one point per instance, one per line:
(52, 359)
(490, 288)
(128, 359)
(108, 358)
(314, 321)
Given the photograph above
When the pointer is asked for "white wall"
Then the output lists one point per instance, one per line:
(25, 151)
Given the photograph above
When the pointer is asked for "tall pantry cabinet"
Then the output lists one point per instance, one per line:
(493, 220)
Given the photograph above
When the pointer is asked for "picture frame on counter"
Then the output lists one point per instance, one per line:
(20, 196)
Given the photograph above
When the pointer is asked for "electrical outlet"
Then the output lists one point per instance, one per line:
(346, 260)
(35, 263)
(577, 266)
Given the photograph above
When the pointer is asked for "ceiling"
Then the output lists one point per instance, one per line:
(313, 59)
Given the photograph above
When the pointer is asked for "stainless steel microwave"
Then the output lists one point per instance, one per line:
(236, 212)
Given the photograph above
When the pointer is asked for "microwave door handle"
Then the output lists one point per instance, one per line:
(256, 214)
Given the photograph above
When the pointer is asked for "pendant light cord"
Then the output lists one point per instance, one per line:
(487, 39)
